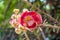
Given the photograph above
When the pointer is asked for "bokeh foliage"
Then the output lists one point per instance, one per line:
(6, 10)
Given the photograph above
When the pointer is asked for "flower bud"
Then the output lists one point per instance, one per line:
(16, 11)
(24, 10)
(18, 31)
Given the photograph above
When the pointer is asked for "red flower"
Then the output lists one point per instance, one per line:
(30, 19)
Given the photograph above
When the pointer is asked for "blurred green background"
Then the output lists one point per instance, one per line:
(51, 7)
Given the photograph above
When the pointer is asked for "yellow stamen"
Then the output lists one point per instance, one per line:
(27, 19)
(23, 28)
(15, 24)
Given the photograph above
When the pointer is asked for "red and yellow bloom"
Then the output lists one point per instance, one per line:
(27, 20)
(30, 19)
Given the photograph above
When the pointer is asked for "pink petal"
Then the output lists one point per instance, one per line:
(30, 22)
(37, 18)
(32, 27)
(12, 21)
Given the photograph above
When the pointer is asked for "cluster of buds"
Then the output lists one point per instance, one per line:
(27, 20)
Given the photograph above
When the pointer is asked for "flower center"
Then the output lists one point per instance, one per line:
(27, 18)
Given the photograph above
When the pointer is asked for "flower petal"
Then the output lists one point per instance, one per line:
(32, 21)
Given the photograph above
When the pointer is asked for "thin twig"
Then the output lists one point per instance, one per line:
(50, 26)
(26, 35)
(43, 35)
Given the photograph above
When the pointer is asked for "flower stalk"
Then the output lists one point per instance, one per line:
(43, 35)
(27, 38)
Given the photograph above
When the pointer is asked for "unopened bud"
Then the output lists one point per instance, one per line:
(24, 10)
(18, 31)
(16, 11)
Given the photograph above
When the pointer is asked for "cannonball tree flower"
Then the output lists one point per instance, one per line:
(30, 19)
(27, 20)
